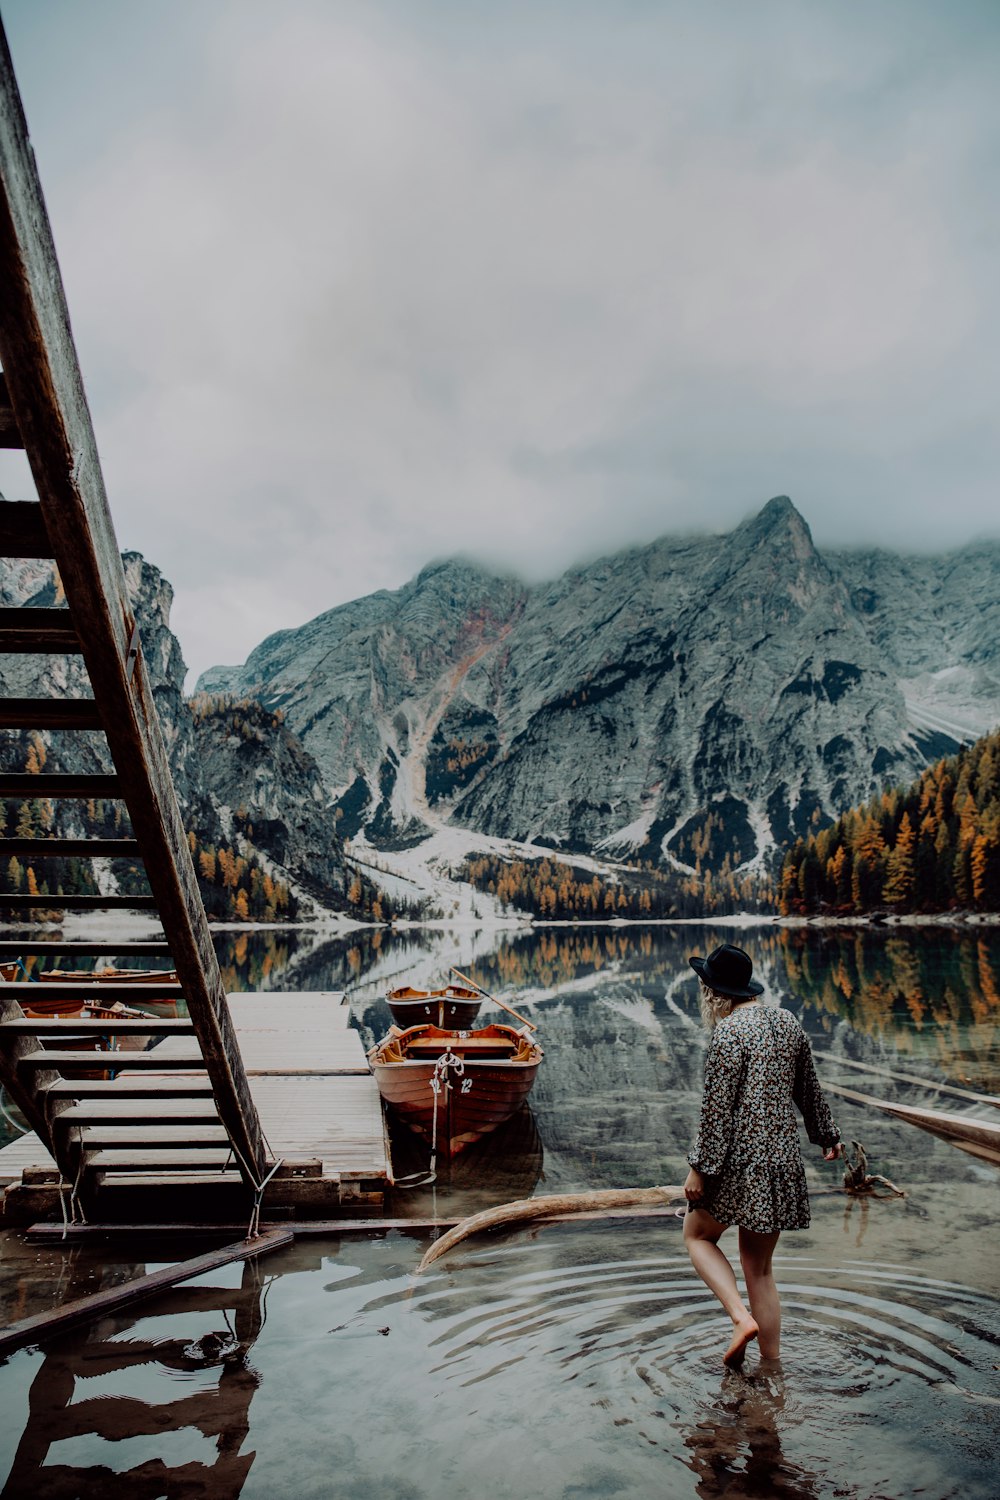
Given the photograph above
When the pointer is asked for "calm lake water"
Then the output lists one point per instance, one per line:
(573, 1359)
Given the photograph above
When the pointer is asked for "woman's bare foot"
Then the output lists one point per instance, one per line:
(743, 1333)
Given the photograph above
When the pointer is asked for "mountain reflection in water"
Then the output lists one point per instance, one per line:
(580, 1359)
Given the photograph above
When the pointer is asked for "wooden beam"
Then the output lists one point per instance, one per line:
(181, 1086)
(179, 1134)
(28, 785)
(80, 989)
(29, 631)
(10, 433)
(19, 901)
(79, 947)
(50, 713)
(70, 1062)
(50, 848)
(46, 389)
(96, 1026)
(141, 1112)
(72, 1314)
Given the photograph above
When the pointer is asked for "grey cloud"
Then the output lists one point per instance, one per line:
(359, 286)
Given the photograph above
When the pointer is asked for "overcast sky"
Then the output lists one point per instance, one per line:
(356, 286)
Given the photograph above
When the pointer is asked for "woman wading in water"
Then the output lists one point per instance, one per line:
(746, 1166)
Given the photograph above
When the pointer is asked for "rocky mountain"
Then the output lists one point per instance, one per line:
(692, 702)
(243, 778)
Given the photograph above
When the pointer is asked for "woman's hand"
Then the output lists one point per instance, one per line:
(832, 1152)
(694, 1186)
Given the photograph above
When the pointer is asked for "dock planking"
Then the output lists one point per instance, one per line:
(309, 1079)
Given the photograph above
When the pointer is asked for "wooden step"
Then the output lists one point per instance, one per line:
(59, 784)
(10, 437)
(151, 1062)
(154, 1137)
(50, 713)
(198, 1158)
(22, 530)
(94, 1026)
(27, 631)
(97, 992)
(81, 948)
(20, 902)
(158, 1111)
(193, 1085)
(32, 849)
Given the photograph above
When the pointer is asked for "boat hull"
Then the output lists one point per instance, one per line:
(452, 1009)
(476, 1093)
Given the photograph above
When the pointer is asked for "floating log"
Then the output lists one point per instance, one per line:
(601, 1200)
(979, 1138)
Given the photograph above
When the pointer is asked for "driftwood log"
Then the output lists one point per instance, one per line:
(979, 1138)
(603, 1200)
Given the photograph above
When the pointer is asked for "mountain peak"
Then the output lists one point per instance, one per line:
(777, 519)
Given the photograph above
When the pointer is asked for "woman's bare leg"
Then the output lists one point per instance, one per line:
(756, 1251)
(701, 1236)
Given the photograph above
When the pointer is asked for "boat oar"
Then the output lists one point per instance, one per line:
(487, 996)
(602, 1200)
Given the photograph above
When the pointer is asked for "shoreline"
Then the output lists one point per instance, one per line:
(334, 925)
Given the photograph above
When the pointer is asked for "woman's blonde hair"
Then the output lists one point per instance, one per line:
(714, 1007)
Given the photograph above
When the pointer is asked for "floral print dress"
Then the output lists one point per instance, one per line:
(759, 1062)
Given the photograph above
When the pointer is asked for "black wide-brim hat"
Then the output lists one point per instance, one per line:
(727, 971)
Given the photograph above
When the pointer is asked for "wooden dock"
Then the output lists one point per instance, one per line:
(317, 1101)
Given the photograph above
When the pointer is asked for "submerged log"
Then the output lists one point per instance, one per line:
(979, 1138)
(603, 1200)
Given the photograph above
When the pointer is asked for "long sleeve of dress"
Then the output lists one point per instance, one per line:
(808, 1095)
(723, 1070)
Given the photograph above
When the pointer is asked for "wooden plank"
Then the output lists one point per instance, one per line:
(44, 1325)
(211, 1158)
(41, 1026)
(159, 1111)
(153, 1137)
(184, 1086)
(18, 901)
(99, 991)
(80, 948)
(22, 530)
(28, 631)
(70, 1062)
(24, 784)
(50, 713)
(46, 389)
(306, 1229)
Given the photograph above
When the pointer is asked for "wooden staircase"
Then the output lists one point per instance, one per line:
(188, 1118)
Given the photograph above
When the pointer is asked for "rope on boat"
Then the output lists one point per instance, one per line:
(447, 1063)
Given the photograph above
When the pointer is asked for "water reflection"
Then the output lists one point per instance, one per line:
(932, 993)
(735, 1447)
(88, 1400)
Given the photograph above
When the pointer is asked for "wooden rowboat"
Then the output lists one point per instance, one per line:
(109, 975)
(453, 1008)
(454, 1087)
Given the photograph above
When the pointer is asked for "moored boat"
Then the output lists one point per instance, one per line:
(454, 1087)
(453, 1009)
